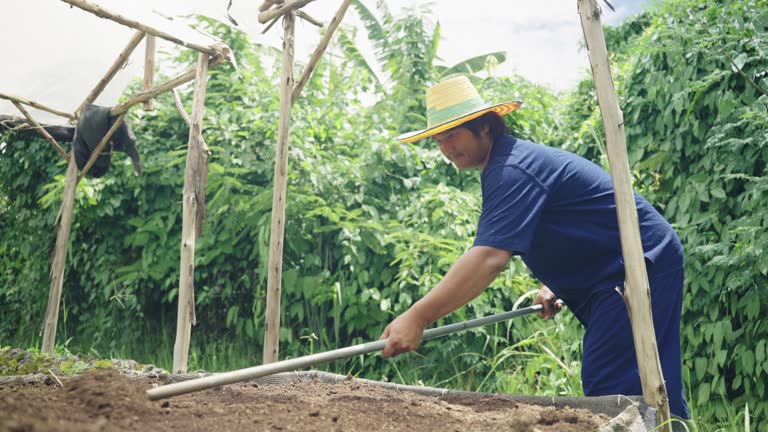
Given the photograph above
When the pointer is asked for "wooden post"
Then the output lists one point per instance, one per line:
(42, 131)
(637, 292)
(60, 257)
(149, 69)
(186, 308)
(275, 267)
(118, 64)
(319, 50)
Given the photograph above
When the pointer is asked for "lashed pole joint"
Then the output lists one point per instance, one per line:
(281, 10)
(268, 4)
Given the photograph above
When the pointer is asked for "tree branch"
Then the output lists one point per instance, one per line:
(749, 80)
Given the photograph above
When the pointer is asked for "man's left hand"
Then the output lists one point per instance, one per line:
(547, 299)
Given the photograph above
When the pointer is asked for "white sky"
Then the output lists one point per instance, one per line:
(54, 54)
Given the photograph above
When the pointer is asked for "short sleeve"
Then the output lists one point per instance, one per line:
(512, 204)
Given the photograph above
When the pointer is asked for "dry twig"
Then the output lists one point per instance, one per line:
(55, 377)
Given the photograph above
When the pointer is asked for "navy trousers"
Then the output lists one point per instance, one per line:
(610, 365)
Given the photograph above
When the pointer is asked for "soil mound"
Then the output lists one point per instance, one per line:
(109, 401)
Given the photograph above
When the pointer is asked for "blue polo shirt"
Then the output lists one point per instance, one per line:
(557, 211)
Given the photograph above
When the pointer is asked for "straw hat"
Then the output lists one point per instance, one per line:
(451, 103)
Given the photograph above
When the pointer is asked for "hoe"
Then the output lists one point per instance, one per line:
(254, 372)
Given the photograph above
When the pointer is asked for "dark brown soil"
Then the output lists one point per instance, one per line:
(108, 401)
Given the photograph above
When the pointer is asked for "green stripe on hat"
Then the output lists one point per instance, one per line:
(436, 117)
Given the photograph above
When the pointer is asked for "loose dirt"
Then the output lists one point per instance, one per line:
(109, 401)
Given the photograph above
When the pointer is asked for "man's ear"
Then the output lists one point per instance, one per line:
(486, 129)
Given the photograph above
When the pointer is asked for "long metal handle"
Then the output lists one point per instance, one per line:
(224, 378)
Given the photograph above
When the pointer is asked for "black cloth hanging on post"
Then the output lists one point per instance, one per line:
(93, 125)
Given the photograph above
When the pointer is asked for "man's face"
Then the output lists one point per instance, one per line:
(463, 148)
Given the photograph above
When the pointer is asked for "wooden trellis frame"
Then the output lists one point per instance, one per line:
(271, 11)
(195, 172)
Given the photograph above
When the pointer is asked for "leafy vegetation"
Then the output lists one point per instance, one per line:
(373, 224)
(19, 362)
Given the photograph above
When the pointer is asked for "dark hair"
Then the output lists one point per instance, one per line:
(496, 125)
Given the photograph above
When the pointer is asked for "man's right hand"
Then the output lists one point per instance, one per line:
(403, 334)
(547, 299)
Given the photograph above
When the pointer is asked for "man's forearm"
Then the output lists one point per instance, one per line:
(466, 279)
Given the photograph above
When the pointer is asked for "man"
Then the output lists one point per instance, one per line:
(555, 210)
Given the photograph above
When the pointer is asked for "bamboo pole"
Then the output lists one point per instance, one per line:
(42, 131)
(320, 49)
(60, 257)
(104, 13)
(162, 87)
(99, 148)
(186, 307)
(637, 292)
(34, 104)
(122, 58)
(275, 267)
(281, 10)
(221, 379)
(149, 69)
(153, 92)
